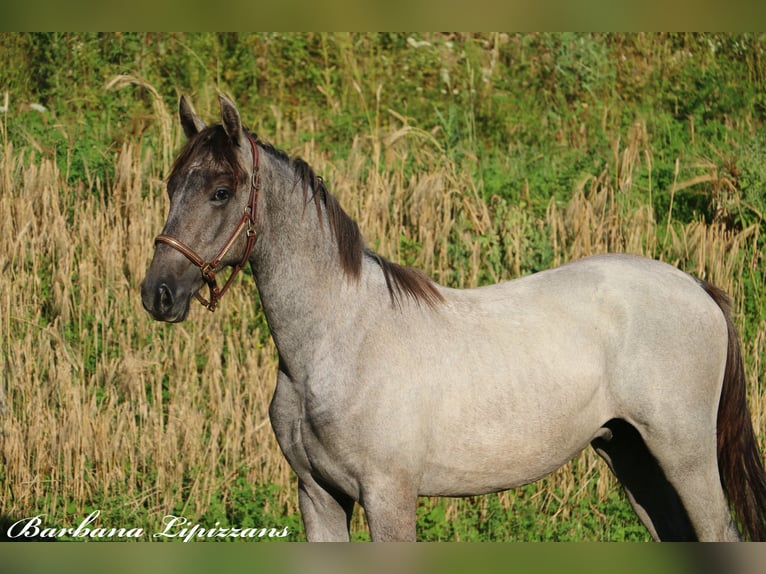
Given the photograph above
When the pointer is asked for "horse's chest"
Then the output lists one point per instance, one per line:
(310, 442)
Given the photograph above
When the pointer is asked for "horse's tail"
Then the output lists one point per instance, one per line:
(739, 461)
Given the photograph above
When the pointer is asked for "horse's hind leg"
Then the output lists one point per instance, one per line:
(676, 492)
(326, 514)
(691, 466)
(654, 499)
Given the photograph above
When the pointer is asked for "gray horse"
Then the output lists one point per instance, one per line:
(392, 387)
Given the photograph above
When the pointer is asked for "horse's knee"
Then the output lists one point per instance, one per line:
(396, 524)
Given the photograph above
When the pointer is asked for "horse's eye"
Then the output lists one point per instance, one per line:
(220, 195)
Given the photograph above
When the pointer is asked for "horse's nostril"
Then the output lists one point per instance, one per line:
(165, 296)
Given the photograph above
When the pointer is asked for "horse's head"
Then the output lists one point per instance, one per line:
(213, 190)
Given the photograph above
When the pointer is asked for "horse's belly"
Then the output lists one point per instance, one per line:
(497, 444)
(475, 468)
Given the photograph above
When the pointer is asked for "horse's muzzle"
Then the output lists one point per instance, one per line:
(163, 301)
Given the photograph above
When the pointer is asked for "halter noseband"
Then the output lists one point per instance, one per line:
(246, 222)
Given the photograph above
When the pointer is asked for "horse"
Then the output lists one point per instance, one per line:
(391, 386)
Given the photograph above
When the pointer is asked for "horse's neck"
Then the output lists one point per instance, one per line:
(306, 296)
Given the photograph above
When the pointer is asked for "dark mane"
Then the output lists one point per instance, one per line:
(402, 282)
(406, 282)
(214, 140)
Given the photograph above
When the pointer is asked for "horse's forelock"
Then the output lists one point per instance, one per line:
(215, 145)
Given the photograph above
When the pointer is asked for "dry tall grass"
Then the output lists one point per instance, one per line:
(104, 403)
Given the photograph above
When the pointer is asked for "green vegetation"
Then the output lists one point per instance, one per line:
(475, 157)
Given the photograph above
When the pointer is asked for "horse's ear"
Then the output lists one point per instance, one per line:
(191, 123)
(230, 119)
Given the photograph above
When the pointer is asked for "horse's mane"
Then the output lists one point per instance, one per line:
(402, 282)
(215, 140)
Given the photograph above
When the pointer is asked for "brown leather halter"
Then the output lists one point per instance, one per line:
(246, 222)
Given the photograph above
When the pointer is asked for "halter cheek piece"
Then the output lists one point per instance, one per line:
(246, 223)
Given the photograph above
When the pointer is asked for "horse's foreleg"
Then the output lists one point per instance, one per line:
(391, 512)
(326, 515)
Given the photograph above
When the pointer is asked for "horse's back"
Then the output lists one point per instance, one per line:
(641, 324)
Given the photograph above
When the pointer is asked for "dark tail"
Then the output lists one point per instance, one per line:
(739, 461)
